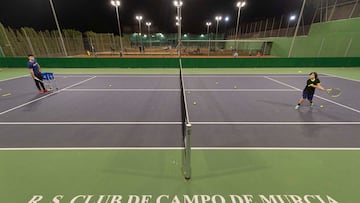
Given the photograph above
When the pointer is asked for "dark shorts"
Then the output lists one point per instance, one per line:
(308, 96)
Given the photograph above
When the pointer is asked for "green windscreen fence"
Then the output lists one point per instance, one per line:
(332, 39)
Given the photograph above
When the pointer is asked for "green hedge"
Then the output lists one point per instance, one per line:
(187, 62)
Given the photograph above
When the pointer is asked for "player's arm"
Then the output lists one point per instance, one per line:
(33, 74)
(318, 86)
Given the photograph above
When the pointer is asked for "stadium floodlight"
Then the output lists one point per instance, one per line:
(241, 4)
(291, 19)
(178, 3)
(116, 4)
(140, 18)
(227, 18)
(148, 24)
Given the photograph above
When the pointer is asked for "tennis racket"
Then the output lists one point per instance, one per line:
(334, 92)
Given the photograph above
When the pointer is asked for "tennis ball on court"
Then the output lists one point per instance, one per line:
(110, 85)
(194, 102)
(321, 106)
(217, 83)
(235, 87)
(299, 71)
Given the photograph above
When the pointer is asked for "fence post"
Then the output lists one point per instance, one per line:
(29, 42)
(272, 27)
(282, 17)
(8, 41)
(348, 48)
(44, 42)
(333, 10)
(321, 47)
(353, 10)
(266, 25)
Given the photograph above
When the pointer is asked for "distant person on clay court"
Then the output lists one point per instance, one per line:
(35, 72)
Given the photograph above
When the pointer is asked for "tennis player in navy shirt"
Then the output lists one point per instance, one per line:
(35, 72)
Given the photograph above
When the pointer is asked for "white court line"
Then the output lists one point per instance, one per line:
(91, 123)
(186, 76)
(179, 123)
(345, 78)
(328, 100)
(181, 148)
(177, 90)
(13, 78)
(43, 97)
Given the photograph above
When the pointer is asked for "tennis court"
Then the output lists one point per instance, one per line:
(112, 134)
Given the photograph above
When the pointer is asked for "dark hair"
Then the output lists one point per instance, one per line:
(30, 55)
(315, 73)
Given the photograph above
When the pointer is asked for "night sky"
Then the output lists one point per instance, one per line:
(99, 15)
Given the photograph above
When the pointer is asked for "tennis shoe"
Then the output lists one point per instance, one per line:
(297, 107)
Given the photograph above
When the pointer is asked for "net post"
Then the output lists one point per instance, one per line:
(187, 140)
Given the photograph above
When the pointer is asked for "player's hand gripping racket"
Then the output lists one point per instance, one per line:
(334, 92)
(39, 80)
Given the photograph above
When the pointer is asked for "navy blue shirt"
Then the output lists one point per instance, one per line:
(34, 66)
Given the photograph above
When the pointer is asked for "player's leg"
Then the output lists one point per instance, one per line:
(37, 83)
(301, 100)
(39, 76)
(310, 98)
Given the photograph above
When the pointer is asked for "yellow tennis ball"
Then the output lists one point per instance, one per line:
(299, 71)
(321, 106)
(194, 102)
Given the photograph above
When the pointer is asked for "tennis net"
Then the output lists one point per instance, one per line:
(186, 127)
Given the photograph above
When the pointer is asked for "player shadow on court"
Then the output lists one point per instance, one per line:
(275, 103)
(35, 105)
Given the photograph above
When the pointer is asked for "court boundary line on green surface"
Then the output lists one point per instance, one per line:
(180, 148)
(13, 78)
(328, 100)
(179, 123)
(43, 97)
(340, 77)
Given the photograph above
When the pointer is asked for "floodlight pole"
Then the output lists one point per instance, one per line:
(117, 5)
(178, 5)
(240, 4)
(148, 24)
(58, 27)
(208, 24)
(218, 19)
(297, 29)
(139, 18)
